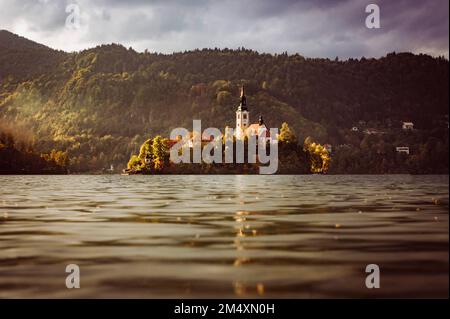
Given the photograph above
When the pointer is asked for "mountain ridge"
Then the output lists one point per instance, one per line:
(101, 103)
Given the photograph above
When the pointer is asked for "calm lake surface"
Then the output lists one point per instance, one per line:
(224, 236)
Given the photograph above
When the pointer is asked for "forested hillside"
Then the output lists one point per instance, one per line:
(18, 157)
(99, 105)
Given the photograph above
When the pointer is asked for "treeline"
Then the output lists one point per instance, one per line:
(361, 153)
(101, 104)
(292, 158)
(17, 157)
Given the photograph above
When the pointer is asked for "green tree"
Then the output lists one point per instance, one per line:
(134, 163)
(318, 155)
(160, 151)
(58, 157)
(224, 98)
(287, 135)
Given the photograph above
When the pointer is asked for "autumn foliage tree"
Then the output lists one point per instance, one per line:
(160, 151)
(287, 135)
(318, 155)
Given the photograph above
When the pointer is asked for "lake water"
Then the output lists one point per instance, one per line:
(224, 236)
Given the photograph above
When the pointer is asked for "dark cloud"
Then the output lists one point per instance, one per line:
(323, 28)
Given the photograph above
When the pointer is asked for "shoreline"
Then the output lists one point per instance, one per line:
(199, 174)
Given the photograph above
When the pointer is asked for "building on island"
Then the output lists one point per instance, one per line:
(258, 129)
(242, 130)
(242, 116)
(243, 126)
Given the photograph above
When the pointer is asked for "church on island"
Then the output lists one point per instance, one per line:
(242, 130)
(243, 127)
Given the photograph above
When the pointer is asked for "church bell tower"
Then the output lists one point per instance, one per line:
(242, 116)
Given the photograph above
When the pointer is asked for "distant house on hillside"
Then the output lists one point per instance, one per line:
(372, 131)
(408, 126)
(402, 149)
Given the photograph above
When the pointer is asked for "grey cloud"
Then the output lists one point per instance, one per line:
(324, 28)
(42, 15)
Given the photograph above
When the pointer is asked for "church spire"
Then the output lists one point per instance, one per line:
(260, 120)
(243, 100)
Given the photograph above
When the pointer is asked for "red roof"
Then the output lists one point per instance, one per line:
(254, 128)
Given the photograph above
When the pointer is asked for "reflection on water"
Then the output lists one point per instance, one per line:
(223, 236)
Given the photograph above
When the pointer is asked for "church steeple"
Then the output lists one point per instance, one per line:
(260, 120)
(243, 100)
(242, 116)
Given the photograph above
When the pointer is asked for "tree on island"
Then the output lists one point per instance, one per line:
(287, 135)
(160, 150)
(319, 157)
(153, 156)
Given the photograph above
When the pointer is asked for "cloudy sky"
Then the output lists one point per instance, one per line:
(313, 28)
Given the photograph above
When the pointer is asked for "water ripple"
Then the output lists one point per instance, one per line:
(223, 236)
